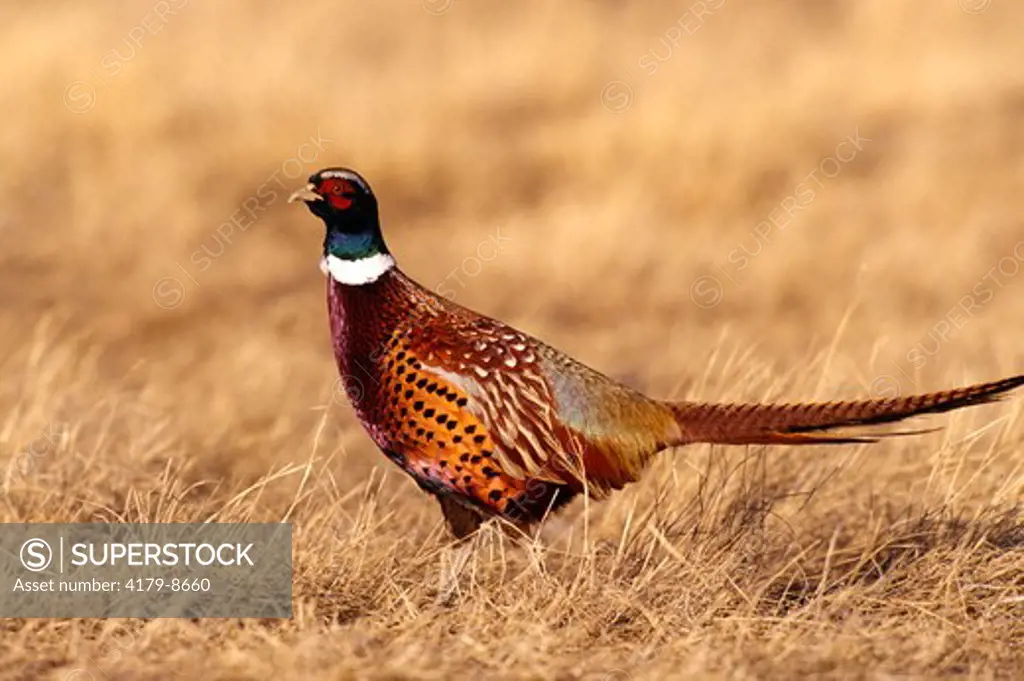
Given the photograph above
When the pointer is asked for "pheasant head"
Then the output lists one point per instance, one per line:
(354, 250)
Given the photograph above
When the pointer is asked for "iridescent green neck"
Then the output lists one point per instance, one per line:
(354, 245)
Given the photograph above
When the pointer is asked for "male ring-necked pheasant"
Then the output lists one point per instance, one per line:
(496, 423)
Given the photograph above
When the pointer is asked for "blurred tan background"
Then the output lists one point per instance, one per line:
(628, 158)
(715, 200)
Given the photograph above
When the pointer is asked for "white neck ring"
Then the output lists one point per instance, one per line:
(356, 272)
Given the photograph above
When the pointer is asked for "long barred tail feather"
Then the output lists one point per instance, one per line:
(796, 424)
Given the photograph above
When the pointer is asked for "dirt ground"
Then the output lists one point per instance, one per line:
(791, 200)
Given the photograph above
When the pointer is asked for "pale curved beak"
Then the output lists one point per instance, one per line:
(307, 193)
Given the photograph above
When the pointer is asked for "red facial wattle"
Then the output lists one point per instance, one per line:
(337, 193)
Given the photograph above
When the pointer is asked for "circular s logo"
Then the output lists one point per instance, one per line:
(36, 555)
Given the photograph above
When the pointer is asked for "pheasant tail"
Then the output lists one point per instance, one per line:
(788, 424)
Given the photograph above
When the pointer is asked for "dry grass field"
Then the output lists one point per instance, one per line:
(709, 200)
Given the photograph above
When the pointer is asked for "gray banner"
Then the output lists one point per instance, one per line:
(146, 570)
